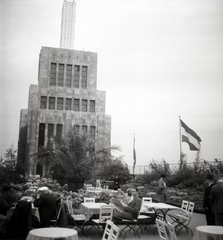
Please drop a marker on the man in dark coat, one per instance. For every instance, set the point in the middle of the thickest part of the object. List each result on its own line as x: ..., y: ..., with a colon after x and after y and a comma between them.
x: 217, y: 200
x: 131, y: 211
x: 46, y: 203
x: 206, y: 203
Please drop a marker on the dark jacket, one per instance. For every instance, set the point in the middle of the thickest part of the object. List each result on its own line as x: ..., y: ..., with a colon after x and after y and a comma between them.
x: 4, y: 206
x: 134, y: 206
x: 207, y: 193
x: 47, y: 208
x: 217, y: 197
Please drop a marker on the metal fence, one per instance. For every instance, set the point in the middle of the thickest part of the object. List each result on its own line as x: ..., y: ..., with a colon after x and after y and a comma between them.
x: 143, y: 169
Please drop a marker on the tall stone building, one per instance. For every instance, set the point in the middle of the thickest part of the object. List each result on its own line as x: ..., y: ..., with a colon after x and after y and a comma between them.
x: 66, y: 96
x: 68, y: 24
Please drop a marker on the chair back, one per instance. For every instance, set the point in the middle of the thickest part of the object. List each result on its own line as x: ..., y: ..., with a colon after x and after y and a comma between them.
x: 89, y: 200
x: 184, y: 205
x: 69, y: 207
x: 172, y: 232
x: 54, y: 221
x: 114, y: 232
x: 161, y: 226
x: 147, y: 199
x: 190, y: 209
x: 106, y: 213
x: 111, y: 231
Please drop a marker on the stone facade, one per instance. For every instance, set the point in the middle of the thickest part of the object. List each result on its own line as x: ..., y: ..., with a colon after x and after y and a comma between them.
x: 66, y: 96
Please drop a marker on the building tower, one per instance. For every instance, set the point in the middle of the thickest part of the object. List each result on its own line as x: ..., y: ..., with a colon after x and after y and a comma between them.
x: 66, y: 96
x: 68, y: 24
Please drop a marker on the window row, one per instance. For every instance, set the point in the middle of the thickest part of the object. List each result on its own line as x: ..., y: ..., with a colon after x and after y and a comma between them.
x: 57, y: 130
x: 67, y: 75
x: 73, y: 104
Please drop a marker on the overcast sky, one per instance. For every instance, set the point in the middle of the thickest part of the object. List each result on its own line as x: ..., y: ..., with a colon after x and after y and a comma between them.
x: 157, y: 60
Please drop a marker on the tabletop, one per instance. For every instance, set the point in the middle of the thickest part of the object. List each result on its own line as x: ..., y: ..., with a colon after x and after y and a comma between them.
x: 208, y: 233
x: 160, y: 205
x: 52, y: 234
x: 91, y: 208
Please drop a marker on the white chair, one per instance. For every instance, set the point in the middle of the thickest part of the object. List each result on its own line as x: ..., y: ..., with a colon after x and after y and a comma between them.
x: 172, y: 232
x: 147, y: 199
x: 86, y: 200
x: 111, y: 231
x: 78, y: 218
x: 161, y: 227
x: 183, y: 218
x: 106, y: 213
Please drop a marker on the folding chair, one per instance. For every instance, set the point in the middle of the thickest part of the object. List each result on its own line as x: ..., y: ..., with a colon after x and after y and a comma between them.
x: 89, y: 200
x: 134, y: 225
x: 161, y: 227
x: 111, y: 231
x: 54, y: 221
x: 172, y: 232
x: 183, y: 218
x: 106, y: 213
x: 78, y: 219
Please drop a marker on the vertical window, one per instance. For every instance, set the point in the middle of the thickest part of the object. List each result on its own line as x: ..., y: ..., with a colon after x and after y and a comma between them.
x: 92, y: 131
x: 77, y: 129
x: 53, y: 70
x: 52, y: 103
x: 41, y: 134
x: 59, y: 130
x: 84, y: 129
x: 60, y: 103
x: 84, y: 105
x: 68, y: 75
x: 43, y: 102
x: 68, y: 104
x: 92, y: 105
x: 76, y: 105
x: 76, y: 76
x: 84, y: 77
x: 50, y: 131
x: 61, y: 75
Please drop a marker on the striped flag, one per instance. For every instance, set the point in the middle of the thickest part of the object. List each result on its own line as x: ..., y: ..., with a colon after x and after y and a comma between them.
x: 134, y: 153
x: 190, y: 137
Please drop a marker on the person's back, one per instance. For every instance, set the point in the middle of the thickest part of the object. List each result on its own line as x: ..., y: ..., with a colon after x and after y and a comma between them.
x: 47, y: 207
x: 217, y: 201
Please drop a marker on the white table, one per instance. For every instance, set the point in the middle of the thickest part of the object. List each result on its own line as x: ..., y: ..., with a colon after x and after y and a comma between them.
x: 52, y: 234
x: 90, y: 208
x: 208, y: 233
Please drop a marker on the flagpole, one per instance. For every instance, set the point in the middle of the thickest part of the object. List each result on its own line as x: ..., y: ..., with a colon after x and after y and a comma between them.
x: 180, y: 137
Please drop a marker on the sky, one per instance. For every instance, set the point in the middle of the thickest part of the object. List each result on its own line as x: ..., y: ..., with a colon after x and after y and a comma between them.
x: 157, y: 60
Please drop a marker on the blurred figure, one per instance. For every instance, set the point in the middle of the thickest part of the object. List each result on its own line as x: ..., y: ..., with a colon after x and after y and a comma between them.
x: 4, y: 207
x: 162, y: 189
x: 217, y: 200
x: 127, y: 198
x: 116, y: 183
x: 46, y: 203
x: 206, y: 203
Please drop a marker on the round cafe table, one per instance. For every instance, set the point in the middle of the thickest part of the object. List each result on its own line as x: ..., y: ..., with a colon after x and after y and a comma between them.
x: 52, y: 234
x: 208, y: 233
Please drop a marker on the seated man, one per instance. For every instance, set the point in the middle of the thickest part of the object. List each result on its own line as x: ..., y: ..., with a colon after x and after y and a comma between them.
x: 46, y: 203
x: 131, y: 210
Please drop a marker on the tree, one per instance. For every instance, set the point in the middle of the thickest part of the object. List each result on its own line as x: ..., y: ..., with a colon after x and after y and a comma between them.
x: 116, y: 168
x: 10, y: 158
x: 72, y: 156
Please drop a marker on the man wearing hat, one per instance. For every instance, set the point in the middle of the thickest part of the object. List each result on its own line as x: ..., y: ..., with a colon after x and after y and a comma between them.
x: 206, y: 203
x: 46, y: 203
